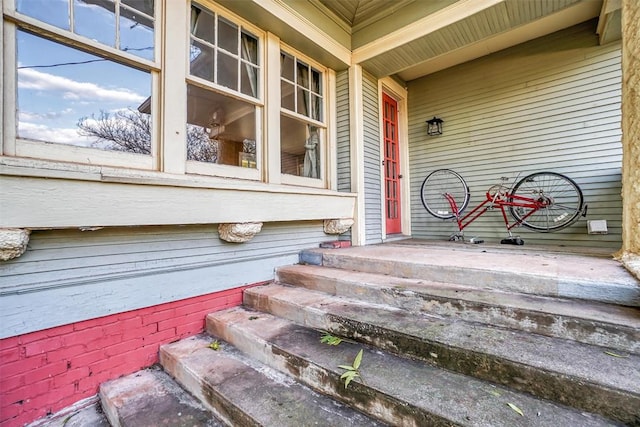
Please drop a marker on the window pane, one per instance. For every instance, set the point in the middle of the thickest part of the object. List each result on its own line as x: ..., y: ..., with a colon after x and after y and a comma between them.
x: 287, y: 91
x: 300, y: 148
x: 220, y: 129
x: 316, y: 108
x: 144, y: 6
x: 95, y: 21
x: 303, y: 75
x: 249, y: 80
x: 227, y: 35
x: 249, y: 48
x: 54, y: 12
x: 71, y: 97
x: 136, y: 33
x: 227, y: 71
x: 303, y: 102
x: 316, y: 81
x: 203, y: 24
x: 202, y: 61
x: 287, y: 66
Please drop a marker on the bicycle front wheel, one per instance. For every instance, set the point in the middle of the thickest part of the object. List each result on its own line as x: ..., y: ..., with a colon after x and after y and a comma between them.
x: 560, y: 195
x: 436, y: 185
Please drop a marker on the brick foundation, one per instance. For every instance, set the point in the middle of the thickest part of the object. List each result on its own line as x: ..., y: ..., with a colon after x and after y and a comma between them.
x: 45, y: 371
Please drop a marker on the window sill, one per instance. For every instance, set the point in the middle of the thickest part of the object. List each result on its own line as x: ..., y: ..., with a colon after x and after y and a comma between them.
x: 40, y: 194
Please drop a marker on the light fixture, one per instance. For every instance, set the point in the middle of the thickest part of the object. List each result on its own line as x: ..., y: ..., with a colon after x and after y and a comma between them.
x: 434, y: 126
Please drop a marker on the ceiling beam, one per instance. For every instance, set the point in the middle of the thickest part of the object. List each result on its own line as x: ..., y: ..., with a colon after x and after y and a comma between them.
x: 427, y: 25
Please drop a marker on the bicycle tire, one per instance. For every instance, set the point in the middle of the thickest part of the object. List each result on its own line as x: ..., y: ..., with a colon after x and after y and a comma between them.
x: 564, y: 198
x: 434, y: 187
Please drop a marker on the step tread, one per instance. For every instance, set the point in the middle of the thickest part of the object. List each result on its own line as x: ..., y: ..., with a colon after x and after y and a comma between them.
x: 449, y: 396
x: 628, y: 317
x: 569, y: 266
x: 149, y: 398
x: 554, y: 274
x: 562, y: 357
x: 258, y: 394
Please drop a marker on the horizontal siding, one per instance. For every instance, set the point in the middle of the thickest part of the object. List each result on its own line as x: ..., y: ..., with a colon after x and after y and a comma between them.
x: 343, y: 131
x: 552, y: 104
x: 372, y: 160
x: 68, y: 276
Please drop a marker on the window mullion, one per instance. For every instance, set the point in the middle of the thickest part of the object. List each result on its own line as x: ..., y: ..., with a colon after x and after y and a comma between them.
x: 272, y: 109
x: 173, y: 152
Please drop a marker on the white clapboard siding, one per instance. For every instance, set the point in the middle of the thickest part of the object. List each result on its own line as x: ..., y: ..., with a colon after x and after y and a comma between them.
x: 372, y: 160
x: 70, y: 275
x: 551, y: 104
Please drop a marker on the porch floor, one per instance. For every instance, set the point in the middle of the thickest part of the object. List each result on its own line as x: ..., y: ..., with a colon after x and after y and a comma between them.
x: 576, y: 272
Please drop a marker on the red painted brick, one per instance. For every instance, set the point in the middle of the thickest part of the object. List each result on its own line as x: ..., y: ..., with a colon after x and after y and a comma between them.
x: 22, y: 365
x: 123, y: 347
x: 94, y: 323
x: 140, y: 332
x: 66, y: 353
x: 164, y: 336
x: 88, y: 358
x: 158, y: 316
x: 11, y: 383
x: 48, y: 371
x: 8, y: 343
x: 24, y: 395
x: 188, y: 329
x: 43, y: 346
x: 104, y: 341
x: 83, y: 336
x: 168, y: 324
x: 8, y: 413
x: 70, y: 376
x: 9, y: 355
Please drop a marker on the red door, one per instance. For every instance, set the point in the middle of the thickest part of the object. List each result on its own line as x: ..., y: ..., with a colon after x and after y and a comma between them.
x: 391, y: 165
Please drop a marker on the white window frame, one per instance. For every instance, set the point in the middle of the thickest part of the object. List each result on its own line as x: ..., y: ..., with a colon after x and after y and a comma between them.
x: 203, y: 168
x: 19, y: 147
x: 169, y: 94
x: 325, y: 125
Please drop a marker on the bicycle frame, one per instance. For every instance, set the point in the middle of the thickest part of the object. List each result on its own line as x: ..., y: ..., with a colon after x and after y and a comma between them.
x: 501, y: 200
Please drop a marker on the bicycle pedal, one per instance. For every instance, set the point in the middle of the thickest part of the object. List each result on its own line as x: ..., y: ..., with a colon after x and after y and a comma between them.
x: 512, y: 241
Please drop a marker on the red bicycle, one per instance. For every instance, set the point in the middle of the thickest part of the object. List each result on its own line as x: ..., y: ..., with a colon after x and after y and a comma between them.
x: 543, y: 201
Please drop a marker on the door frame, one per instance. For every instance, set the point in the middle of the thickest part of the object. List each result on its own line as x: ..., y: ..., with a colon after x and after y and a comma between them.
x: 399, y: 94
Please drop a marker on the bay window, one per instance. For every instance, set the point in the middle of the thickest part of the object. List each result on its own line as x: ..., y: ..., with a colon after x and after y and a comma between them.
x: 102, y: 83
x: 302, y: 126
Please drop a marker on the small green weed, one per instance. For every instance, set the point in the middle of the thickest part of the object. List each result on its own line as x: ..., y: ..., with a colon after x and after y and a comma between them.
x: 352, y: 371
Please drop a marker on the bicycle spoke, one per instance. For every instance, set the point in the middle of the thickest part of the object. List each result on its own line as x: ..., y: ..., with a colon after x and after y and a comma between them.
x: 561, y: 195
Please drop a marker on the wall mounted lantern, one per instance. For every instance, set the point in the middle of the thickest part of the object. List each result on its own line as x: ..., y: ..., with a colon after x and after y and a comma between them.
x: 434, y: 126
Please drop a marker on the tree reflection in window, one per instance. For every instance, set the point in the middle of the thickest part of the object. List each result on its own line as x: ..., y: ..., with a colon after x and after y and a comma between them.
x: 68, y: 96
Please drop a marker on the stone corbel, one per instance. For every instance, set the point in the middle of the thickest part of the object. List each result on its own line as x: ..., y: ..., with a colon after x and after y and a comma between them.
x: 239, y: 232
x: 13, y: 242
x: 337, y: 226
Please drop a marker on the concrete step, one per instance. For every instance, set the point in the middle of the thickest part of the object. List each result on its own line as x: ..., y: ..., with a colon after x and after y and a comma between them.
x: 541, y: 273
x: 396, y: 390
x: 244, y: 392
x: 150, y: 398
x: 611, y: 326
x: 575, y: 374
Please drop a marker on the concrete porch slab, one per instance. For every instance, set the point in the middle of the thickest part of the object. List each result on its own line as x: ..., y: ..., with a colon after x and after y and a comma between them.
x: 590, y: 274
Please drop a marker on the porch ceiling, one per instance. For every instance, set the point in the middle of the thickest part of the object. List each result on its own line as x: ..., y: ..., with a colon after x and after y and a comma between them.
x: 449, y: 32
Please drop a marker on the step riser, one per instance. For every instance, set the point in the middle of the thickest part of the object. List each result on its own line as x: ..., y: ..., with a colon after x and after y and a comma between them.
x: 581, y: 330
x: 204, y: 391
x: 381, y: 406
x: 560, y: 388
x: 520, y: 282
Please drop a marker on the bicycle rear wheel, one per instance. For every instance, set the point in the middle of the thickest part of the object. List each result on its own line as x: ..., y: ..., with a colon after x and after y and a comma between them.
x: 562, y: 196
x: 436, y: 185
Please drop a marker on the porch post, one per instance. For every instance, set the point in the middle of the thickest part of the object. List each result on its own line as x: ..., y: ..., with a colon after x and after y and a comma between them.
x: 356, y: 108
x: 630, y: 252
